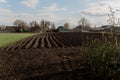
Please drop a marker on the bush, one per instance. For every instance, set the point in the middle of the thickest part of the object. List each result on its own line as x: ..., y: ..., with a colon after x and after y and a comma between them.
x: 103, y: 59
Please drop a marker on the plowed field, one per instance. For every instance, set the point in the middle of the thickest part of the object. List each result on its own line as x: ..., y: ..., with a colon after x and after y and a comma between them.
x: 48, y: 56
x: 53, y: 40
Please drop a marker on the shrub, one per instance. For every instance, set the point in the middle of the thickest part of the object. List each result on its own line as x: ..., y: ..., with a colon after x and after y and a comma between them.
x: 103, y: 59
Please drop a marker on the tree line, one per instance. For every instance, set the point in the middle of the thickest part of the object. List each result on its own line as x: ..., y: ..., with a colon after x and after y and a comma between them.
x: 45, y: 25
x: 34, y: 26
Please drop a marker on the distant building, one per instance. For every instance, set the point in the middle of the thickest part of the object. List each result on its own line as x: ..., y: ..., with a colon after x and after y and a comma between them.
x: 12, y: 29
x: 107, y: 28
x: 62, y: 29
x: 81, y: 29
x: 77, y: 29
x: 116, y: 29
x: 99, y: 29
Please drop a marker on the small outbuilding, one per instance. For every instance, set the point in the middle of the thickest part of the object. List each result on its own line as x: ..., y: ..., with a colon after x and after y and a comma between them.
x: 62, y: 29
x: 12, y: 29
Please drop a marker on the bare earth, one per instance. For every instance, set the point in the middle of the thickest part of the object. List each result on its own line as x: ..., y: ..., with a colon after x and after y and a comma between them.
x: 48, y: 56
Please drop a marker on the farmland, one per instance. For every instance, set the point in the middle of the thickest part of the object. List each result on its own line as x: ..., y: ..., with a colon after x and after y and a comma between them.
x: 9, y: 38
x: 53, y: 40
x: 61, y: 56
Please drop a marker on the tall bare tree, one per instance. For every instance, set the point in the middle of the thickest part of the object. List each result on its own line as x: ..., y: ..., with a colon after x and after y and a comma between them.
x: 112, y: 19
x: 42, y: 25
x: 111, y: 16
x: 52, y: 26
x: 21, y: 24
x: 83, y: 22
x: 34, y: 26
x: 2, y: 27
x: 45, y: 25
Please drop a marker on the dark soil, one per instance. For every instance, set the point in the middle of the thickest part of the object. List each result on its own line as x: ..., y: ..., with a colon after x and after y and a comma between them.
x: 42, y: 64
x: 48, y: 56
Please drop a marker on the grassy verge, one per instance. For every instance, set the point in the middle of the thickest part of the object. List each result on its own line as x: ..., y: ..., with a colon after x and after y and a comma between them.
x: 9, y: 38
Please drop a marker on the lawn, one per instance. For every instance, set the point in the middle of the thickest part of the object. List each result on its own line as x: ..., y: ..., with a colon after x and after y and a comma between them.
x: 9, y: 38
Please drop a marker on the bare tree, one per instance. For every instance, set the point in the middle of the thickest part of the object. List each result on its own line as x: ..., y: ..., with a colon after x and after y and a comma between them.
x: 42, y: 25
x: 45, y: 25
x: 33, y: 23
x: 83, y: 22
x: 21, y: 24
x: 111, y: 19
x: 66, y: 25
x: 2, y: 27
x: 52, y: 26
x: 34, y: 26
x: 111, y: 16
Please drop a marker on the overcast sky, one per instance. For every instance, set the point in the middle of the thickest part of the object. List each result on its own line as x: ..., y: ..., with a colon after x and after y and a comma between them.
x: 58, y: 11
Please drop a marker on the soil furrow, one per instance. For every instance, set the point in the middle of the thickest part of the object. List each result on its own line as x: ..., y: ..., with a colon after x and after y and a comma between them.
x: 38, y: 41
x: 19, y: 44
x: 68, y: 41
x: 53, y: 43
x: 62, y: 41
x: 8, y: 48
x: 29, y: 45
x: 11, y: 47
x: 43, y: 41
x: 59, y: 43
x: 47, y: 42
